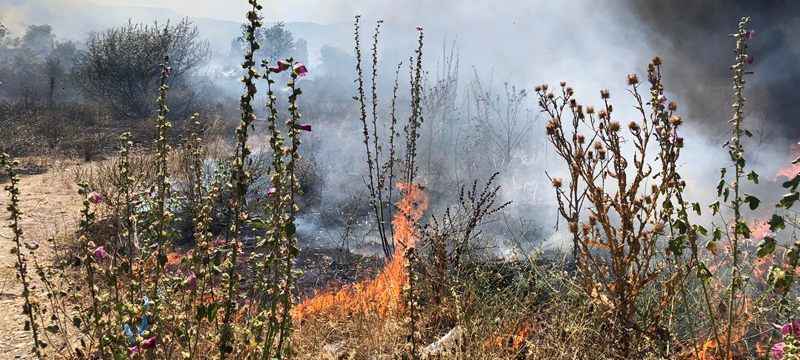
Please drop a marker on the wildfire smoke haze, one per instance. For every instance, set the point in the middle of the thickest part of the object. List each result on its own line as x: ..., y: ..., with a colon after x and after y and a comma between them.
x: 366, y: 180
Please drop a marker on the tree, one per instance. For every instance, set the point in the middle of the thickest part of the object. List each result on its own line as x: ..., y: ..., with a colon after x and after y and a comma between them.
x: 39, y: 39
x: 277, y: 43
x: 3, y: 32
x: 121, y: 65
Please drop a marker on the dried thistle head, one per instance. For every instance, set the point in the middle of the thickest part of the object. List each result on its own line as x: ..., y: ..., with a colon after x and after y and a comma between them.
x: 602, y: 114
x: 580, y: 138
x: 656, y: 61
x: 597, y: 145
x: 605, y: 94
x: 557, y: 182
x: 573, y: 227
x: 590, y: 110
x: 614, y: 126
x: 586, y: 229
x: 634, y: 126
x: 676, y: 120
x: 672, y: 106
x: 633, y: 79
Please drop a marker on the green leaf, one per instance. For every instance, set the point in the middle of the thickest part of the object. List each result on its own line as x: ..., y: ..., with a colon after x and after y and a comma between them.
x: 766, y: 247
x: 717, y: 234
x: 290, y: 229
x: 776, y: 223
x: 700, y: 230
x: 696, y: 208
x: 677, y: 245
x: 788, y: 200
x: 752, y: 176
x: 793, y: 183
x: 742, y: 229
x: 793, y: 254
x: 703, y: 273
x: 714, y: 207
x: 752, y: 200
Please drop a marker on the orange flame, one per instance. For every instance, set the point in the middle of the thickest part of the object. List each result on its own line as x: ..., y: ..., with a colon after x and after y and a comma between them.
x: 382, y: 295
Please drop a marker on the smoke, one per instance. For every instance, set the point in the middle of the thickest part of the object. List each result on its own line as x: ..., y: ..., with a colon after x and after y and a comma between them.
x: 591, y: 45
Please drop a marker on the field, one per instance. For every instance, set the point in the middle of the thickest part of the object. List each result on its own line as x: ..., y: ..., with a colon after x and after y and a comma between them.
x: 164, y: 201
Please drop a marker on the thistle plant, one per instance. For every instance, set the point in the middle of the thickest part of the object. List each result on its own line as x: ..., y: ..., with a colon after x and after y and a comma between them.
x: 30, y: 305
x: 618, y: 256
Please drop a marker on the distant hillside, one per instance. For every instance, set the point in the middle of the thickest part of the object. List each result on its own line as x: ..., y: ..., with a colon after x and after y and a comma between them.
x: 77, y: 20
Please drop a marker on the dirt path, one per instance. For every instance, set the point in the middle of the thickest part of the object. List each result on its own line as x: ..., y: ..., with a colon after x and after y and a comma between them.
x: 51, y: 205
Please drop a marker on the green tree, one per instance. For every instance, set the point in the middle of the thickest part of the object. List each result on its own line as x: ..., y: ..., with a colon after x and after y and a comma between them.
x: 121, y: 65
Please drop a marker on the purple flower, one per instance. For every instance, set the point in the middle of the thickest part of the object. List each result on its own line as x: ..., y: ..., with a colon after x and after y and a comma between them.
x: 304, y: 127
x: 150, y: 343
x: 749, y: 34
x: 192, y: 279
x: 419, y: 28
x: 777, y: 349
x: 750, y: 59
x: 271, y: 191
x: 300, y: 69
x: 95, y: 197
x: 100, y: 253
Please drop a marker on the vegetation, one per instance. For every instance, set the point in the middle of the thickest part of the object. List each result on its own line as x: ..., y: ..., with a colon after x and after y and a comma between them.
x: 193, y: 246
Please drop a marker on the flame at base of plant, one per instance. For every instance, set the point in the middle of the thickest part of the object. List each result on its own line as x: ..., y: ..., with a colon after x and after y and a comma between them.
x: 382, y: 295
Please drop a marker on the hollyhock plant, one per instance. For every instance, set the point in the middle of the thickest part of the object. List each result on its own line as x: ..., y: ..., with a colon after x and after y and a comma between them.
x: 95, y: 197
x: 100, y: 253
x: 300, y: 69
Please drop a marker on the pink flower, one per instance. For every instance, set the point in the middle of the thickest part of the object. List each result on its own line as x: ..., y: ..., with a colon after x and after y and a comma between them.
x: 271, y: 191
x: 192, y: 278
x: 300, y: 69
x: 95, y: 197
x: 304, y: 127
x: 750, y: 59
x: 749, y: 34
x: 100, y: 253
x: 169, y: 71
x: 282, y: 65
x: 777, y: 349
x: 150, y: 343
x: 792, y: 328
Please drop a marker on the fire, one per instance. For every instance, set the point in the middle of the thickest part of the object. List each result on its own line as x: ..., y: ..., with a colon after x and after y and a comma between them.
x: 382, y: 295
x: 790, y: 171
